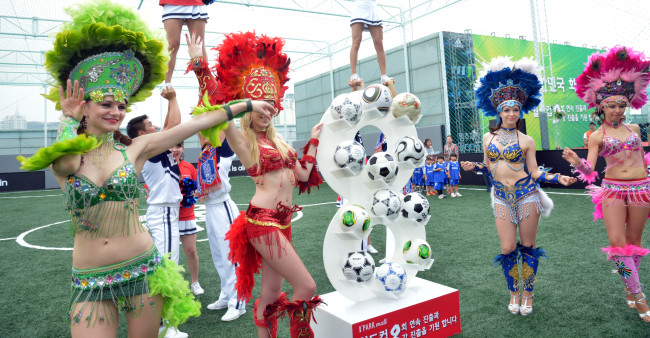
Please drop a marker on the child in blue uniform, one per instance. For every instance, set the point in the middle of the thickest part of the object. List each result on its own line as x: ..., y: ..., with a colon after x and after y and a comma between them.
x: 428, y: 175
x: 453, y: 172
x: 439, y: 175
x: 417, y: 179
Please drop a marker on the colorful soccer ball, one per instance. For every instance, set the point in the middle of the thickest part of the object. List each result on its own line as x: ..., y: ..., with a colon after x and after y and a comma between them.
x: 355, y: 218
x: 406, y: 104
x: 410, y: 149
x: 346, y: 107
x: 382, y: 166
x: 415, y: 207
x: 391, y: 277
x: 386, y: 203
x: 418, y: 252
x: 377, y: 96
x: 359, y: 267
x: 350, y: 154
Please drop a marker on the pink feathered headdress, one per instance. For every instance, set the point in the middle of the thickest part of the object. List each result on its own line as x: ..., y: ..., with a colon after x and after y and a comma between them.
x: 619, y: 72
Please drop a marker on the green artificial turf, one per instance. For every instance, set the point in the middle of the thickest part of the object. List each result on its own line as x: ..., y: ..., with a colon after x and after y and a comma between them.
x: 576, y: 295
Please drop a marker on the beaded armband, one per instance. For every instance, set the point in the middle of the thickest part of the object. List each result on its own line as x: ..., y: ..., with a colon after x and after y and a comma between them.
x: 544, y: 178
x: 585, y: 171
x: 483, y: 170
x: 67, y: 128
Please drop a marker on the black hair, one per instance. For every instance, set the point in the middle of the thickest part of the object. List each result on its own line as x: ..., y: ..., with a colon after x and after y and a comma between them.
x: 440, y: 156
x: 135, y: 125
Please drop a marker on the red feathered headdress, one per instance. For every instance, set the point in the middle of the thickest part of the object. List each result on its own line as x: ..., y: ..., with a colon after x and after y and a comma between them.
x: 252, y: 67
x: 621, y: 73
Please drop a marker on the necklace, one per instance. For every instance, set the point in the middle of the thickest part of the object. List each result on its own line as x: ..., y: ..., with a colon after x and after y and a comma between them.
x: 101, y: 153
x: 506, y: 135
x: 613, y: 124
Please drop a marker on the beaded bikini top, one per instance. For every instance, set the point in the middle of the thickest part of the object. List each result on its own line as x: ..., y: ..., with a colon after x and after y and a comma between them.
x: 612, y: 146
x: 511, y: 154
x: 85, y: 198
x: 271, y: 160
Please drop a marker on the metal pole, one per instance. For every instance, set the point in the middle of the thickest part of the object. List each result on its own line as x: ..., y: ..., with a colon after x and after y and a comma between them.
x: 406, y: 56
x: 44, y: 117
x: 542, y: 116
x: 329, y: 54
x: 445, y: 89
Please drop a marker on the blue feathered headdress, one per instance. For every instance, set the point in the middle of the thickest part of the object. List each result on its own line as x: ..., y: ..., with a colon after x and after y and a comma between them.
x: 504, y: 81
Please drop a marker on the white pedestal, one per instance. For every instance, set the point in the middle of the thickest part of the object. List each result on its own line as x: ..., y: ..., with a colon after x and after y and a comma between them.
x: 426, y: 309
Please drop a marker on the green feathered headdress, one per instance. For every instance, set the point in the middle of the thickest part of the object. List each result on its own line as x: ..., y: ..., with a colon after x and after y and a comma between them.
x: 110, y: 50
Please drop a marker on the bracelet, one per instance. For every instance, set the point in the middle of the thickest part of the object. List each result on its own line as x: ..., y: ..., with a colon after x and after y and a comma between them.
x: 196, y: 61
x: 584, y: 167
x: 309, y: 159
x: 543, y: 178
x: 481, y: 170
x: 313, y: 141
x: 249, y: 105
x: 228, y: 112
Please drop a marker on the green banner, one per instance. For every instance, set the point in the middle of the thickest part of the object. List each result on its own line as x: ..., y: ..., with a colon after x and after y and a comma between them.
x: 562, y: 67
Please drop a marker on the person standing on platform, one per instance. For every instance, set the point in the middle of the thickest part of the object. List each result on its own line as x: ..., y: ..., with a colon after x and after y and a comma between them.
x: 192, y: 13
x: 366, y: 17
x: 612, y: 82
x: 506, y: 91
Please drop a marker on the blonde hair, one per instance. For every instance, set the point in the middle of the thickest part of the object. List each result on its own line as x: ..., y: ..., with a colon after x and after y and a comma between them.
x: 271, y: 134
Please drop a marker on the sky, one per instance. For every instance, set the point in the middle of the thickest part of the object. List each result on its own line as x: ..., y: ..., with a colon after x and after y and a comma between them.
x: 591, y: 22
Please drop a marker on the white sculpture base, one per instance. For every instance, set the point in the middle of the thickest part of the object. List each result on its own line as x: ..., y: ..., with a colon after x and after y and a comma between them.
x: 426, y: 309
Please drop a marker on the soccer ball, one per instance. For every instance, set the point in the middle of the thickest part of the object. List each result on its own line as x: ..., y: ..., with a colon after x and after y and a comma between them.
x: 358, y: 266
x: 406, y: 104
x: 350, y: 154
x: 346, y: 107
x: 391, y: 277
x: 377, y: 96
x: 386, y: 203
x: 417, y: 252
x: 415, y: 207
x: 410, y: 149
x: 382, y: 166
x: 355, y: 218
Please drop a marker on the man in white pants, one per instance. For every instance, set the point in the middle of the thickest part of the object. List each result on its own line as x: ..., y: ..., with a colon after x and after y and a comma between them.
x: 161, y: 175
x: 220, y: 212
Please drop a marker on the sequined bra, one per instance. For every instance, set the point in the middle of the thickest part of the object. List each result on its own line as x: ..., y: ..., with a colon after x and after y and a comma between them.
x: 612, y: 146
x: 271, y: 160
x: 85, y: 198
x: 511, y: 154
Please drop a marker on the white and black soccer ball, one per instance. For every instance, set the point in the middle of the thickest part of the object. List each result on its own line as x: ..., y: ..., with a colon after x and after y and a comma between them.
x: 406, y: 104
x: 346, y: 107
x: 417, y: 251
x: 350, y: 154
x: 377, y: 96
x: 409, y: 148
x: 415, y: 207
x: 382, y: 166
x: 386, y: 203
x: 355, y: 218
x: 359, y: 267
x: 391, y: 277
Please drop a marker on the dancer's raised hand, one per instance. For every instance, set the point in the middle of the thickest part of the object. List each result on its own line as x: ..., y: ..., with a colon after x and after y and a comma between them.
x: 72, y: 101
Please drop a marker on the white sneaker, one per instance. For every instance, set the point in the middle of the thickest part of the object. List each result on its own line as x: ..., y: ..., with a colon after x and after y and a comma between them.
x: 197, y: 290
x: 453, y: 194
x: 382, y: 261
x: 441, y: 196
x: 372, y: 250
x: 218, y: 305
x: 458, y: 195
x: 172, y: 333
x: 232, y: 314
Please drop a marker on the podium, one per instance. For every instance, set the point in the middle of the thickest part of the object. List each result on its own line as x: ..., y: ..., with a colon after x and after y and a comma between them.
x: 426, y: 309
